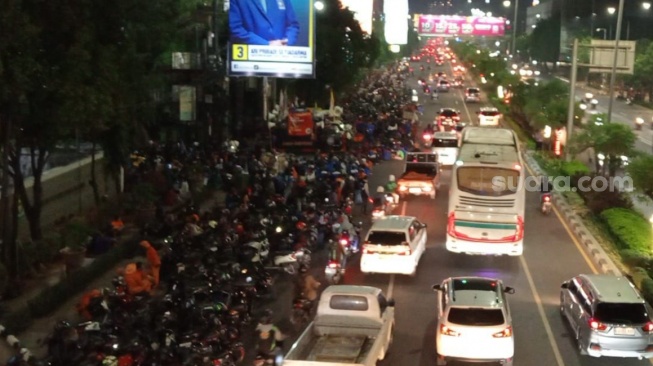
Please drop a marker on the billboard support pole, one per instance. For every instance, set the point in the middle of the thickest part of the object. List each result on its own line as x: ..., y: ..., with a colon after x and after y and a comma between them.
x: 265, y: 107
x: 572, y: 97
x: 613, y: 74
x: 514, y: 29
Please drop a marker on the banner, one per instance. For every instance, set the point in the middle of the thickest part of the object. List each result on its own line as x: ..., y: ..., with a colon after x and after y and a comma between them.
x: 454, y: 25
x: 363, y: 12
x: 300, y: 124
x: 271, y: 38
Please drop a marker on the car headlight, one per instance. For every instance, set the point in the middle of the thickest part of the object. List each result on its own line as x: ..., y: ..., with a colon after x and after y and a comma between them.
x: 403, y: 188
x: 427, y: 189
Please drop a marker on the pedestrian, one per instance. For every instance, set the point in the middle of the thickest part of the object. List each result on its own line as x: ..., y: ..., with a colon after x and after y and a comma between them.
x: 310, y: 285
x: 136, y: 280
x: 153, y: 260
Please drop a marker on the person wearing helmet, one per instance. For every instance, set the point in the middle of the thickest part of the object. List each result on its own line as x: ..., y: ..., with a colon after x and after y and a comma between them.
x: 137, y: 282
x: 154, y: 260
x: 269, y: 336
x: 391, y: 188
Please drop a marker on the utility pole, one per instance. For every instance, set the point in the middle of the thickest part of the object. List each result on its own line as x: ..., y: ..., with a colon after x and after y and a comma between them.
x: 514, y: 29
x: 572, y: 97
x: 613, y: 75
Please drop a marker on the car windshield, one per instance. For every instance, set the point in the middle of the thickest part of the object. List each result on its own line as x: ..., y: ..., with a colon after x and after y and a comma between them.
x: 448, y: 113
x: 386, y: 238
x: 444, y: 82
x: 490, y: 113
x: 473, y: 91
x: 488, y: 181
x: 475, y: 316
x: 618, y: 313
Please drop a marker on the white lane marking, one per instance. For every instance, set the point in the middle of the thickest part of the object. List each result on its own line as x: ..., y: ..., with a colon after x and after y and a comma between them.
x: 540, y: 310
x: 391, y: 286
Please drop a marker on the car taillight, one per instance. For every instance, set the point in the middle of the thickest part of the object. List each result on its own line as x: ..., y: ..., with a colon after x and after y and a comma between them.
x: 333, y: 264
x: 504, y: 333
x: 427, y: 136
x: 547, y: 198
x: 444, y: 330
x: 597, y: 325
x: 344, y: 241
x: 648, y: 327
x: 403, y: 188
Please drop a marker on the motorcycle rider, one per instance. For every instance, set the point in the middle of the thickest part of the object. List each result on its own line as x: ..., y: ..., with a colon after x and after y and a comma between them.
x: 391, y: 188
x: 270, y: 338
x: 337, y: 254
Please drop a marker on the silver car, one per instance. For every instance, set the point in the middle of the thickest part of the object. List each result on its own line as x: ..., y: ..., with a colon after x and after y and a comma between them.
x: 443, y: 86
x: 607, y: 316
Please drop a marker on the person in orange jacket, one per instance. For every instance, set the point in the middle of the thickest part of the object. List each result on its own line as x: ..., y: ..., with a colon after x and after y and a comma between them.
x: 136, y: 280
x: 153, y: 259
x: 82, y: 306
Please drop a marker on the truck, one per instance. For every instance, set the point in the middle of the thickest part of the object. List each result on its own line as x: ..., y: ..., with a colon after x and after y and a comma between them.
x: 353, y: 326
x: 421, y: 175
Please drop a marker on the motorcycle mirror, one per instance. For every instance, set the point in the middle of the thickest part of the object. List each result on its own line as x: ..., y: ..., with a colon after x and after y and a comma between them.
x: 509, y: 290
x: 436, y: 287
x: 391, y: 302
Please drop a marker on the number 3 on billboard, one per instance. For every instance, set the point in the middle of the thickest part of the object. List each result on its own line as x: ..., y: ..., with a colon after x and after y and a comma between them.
x: 239, y: 52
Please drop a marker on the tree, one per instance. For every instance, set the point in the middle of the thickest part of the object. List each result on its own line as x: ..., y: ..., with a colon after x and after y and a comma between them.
x: 641, y: 171
x: 545, y: 41
x: 613, y: 140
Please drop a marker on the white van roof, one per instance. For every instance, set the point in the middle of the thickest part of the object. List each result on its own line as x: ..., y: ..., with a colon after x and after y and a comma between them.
x: 490, y: 136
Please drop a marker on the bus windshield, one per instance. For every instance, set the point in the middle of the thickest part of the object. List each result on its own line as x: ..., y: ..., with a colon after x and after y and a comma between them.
x: 488, y: 181
x: 444, y: 143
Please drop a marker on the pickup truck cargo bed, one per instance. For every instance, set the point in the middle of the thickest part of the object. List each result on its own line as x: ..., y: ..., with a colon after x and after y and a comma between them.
x: 339, y: 348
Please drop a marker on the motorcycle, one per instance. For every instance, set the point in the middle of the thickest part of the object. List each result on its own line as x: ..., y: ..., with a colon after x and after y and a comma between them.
x: 639, y: 123
x: 301, y: 311
x: 382, y: 206
x: 546, y: 205
x: 427, y: 137
x: 629, y: 101
x: 333, y: 272
x: 290, y: 262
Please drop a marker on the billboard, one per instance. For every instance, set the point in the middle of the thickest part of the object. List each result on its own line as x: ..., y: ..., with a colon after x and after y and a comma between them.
x: 362, y: 10
x: 454, y: 25
x: 602, y: 56
x: 271, y: 38
x: 396, y: 21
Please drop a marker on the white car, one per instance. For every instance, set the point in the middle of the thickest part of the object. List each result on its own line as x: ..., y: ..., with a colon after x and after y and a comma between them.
x: 394, y: 244
x: 472, y: 95
x: 489, y: 117
x: 474, y: 323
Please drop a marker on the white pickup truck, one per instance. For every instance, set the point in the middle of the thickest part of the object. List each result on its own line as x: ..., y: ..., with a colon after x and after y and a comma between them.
x: 353, y: 327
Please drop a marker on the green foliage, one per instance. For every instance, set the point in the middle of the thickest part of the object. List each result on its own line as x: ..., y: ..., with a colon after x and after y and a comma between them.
x: 611, y: 139
x: 647, y: 289
x: 640, y: 170
x: 76, y: 233
x: 574, y: 167
x: 545, y: 40
x: 597, y: 201
x: 631, y: 229
x: 638, y: 276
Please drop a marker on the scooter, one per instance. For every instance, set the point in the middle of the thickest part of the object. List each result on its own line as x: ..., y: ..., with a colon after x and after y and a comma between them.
x: 639, y: 123
x: 629, y: 101
x: 546, y: 205
x: 290, y: 262
x: 333, y: 272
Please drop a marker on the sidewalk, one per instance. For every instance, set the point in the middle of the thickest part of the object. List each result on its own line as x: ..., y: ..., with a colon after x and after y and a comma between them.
x: 32, y: 338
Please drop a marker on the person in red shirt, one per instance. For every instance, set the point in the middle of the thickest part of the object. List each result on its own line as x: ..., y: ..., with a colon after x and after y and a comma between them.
x: 153, y: 260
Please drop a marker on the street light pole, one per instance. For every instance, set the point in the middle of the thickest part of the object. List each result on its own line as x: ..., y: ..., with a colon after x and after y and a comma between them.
x: 613, y: 74
x: 514, y: 29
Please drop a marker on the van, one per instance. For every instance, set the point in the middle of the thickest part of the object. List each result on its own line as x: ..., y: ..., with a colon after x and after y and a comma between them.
x: 394, y: 244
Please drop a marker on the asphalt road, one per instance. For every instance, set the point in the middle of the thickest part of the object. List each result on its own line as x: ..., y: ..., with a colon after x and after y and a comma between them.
x: 551, y: 256
x: 626, y: 114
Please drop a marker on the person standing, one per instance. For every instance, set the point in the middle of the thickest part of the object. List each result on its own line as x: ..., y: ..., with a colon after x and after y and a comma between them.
x: 153, y: 260
x: 263, y: 22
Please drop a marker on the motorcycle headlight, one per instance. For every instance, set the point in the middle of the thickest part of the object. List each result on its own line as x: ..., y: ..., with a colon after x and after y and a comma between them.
x: 278, y: 229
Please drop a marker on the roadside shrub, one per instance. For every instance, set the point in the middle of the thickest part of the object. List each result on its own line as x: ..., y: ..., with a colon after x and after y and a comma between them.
x: 631, y: 230
x: 634, y: 259
x: 597, y: 202
x: 638, y: 275
x: 574, y: 168
x: 646, y: 289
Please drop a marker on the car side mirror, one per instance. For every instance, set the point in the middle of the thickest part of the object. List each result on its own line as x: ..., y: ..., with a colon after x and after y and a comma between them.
x: 391, y: 302
x: 564, y: 285
x: 509, y: 290
x: 423, y: 226
x: 437, y: 287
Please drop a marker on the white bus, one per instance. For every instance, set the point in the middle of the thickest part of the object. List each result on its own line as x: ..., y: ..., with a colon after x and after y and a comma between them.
x: 445, y: 144
x: 487, y: 197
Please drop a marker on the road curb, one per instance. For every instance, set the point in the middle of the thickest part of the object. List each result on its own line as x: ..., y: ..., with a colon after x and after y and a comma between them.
x: 578, y: 228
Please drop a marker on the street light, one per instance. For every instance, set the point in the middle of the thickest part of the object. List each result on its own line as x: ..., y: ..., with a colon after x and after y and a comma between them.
x: 319, y: 6
x: 507, y: 3
x: 646, y: 5
x: 611, y: 10
x: 605, y: 32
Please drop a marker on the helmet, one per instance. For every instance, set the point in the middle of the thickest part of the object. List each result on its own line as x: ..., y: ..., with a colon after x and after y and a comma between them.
x: 301, y: 225
x: 391, y: 178
x: 380, y: 189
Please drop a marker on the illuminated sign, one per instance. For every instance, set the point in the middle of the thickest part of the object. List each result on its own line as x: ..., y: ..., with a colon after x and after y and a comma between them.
x: 453, y: 25
x: 271, y: 38
x: 396, y: 21
x: 362, y: 10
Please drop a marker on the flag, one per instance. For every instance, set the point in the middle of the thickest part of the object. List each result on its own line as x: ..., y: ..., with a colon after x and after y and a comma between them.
x: 332, y: 103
